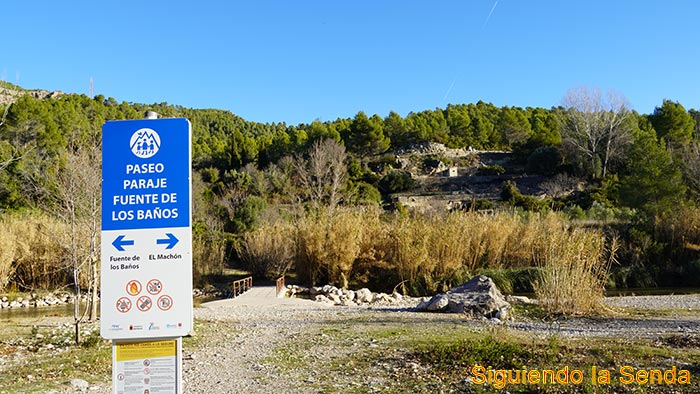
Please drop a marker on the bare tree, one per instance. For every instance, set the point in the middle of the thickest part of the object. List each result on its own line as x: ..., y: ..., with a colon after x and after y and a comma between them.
x: 691, y: 165
x: 3, y: 92
x: 76, y: 200
x: 596, y: 126
x: 322, y: 176
x: 18, y: 145
x: 7, y: 153
x: 4, y: 114
x: 559, y: 186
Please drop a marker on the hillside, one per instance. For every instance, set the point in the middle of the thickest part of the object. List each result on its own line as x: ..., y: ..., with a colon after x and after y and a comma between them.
x: 636, y: 179
x: 453, y: 179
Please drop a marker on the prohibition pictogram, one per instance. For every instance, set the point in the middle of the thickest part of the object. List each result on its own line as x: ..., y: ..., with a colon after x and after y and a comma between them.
x: 133, y: 287
x: 144, y: 303
x: 123, y: 305
x: 154, y: 286
x: 165, y: 302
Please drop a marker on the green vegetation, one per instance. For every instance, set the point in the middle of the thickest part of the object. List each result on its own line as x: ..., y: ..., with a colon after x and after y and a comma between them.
x: 491, y: 170
x: 439, y: 354
x: 50, y: 359
x: 45, y: 358
x: 634, y: 176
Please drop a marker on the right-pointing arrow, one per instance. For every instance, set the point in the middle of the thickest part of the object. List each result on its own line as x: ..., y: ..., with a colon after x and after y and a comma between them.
x: 170, y: 241
x: 120, y: 242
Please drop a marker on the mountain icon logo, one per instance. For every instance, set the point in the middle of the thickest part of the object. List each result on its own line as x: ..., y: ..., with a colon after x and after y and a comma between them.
x: 144, y: 143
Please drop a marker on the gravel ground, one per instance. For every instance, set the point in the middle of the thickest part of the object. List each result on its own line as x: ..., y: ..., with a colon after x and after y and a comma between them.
x: 249, y: 335
x: 239, y: 341
x: 684, y: 301
x: 666, y: 323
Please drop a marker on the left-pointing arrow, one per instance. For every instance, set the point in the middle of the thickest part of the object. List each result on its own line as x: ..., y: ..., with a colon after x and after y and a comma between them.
x: 120, y: 242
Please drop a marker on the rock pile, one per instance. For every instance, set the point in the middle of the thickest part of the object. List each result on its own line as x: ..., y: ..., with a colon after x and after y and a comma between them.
x: 62, y: 298
x: 209, y: 291
x: 343, y: 297
x: 478, y: 298
x: 34, y: 300
x: 433, y: 148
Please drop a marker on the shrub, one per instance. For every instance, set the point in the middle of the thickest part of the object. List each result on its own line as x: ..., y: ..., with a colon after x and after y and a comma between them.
x: 544, y: 160
x: 511, y: 195
x: 246, y: 215
x: 383, y: 162
x: 509, y: 192
x: 491, y: 170
x: 395, y: 182
x: 574, y: 212
x: 480, y: 204
x: 366, y: 194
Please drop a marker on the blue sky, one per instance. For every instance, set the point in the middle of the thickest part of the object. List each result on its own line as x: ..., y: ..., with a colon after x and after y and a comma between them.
x: 296, y: 61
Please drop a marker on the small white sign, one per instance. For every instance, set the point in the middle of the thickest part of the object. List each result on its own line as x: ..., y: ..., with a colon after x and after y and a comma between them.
x: 144, y: 297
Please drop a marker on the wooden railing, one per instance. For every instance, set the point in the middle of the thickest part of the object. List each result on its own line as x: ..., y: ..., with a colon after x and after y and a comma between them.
x: 279, y: 285
x: 241, y: 286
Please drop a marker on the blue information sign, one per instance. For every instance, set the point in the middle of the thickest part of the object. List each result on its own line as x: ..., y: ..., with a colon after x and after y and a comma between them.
x: 146, y: 266
x: 145, y: 174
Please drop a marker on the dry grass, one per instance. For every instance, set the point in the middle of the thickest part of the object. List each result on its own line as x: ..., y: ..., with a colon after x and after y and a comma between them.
x: 343, y: 245
x: 31, y: 245
x: 431, y: 254
x: 327, y: 243
x: 267, y: 251
x: 208, y: 252
x: 575, y: 264
x: 7, y: 253
x: 408, y: 250
x: 680, y: 228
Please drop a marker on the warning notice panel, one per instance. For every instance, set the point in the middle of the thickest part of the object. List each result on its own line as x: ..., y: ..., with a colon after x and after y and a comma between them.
x: 146, y: 268
x: 145, y: 367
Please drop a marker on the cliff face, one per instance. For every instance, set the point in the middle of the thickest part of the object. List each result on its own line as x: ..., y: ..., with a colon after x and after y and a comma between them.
x: 10, y: 93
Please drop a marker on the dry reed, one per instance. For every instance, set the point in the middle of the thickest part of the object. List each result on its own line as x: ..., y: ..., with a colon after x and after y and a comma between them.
x: 268, y: 250
x: 327, y: 242
x: 574, y: 266
x: 31, y: 242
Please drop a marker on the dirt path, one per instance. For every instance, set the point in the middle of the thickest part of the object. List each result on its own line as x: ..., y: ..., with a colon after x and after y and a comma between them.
x: 243, y: 340
x: 250, y: 331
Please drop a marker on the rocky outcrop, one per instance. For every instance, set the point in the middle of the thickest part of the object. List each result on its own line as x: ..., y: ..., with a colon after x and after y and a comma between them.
x: 478, y: 298
x: 10, y: 94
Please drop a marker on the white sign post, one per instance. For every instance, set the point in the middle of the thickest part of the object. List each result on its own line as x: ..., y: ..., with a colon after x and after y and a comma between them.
x: 146, y: 268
